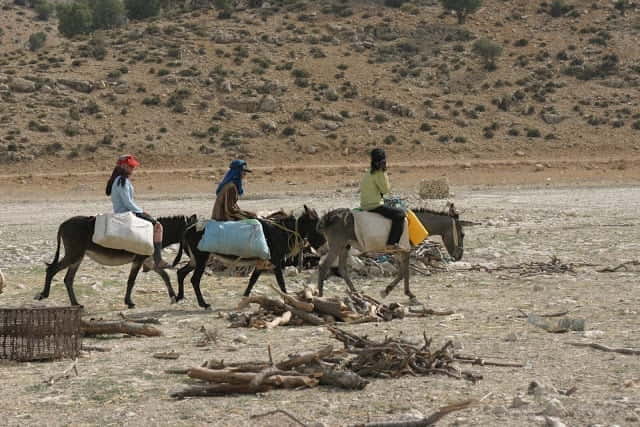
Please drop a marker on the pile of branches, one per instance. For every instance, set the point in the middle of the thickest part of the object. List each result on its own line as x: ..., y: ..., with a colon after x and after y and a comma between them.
x: 395, y: 357
x: 346, y: 369
x: 306, y: 308
x: 528, y: 269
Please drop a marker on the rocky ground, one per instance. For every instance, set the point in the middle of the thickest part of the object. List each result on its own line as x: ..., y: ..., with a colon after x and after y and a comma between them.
x: 589, y: 227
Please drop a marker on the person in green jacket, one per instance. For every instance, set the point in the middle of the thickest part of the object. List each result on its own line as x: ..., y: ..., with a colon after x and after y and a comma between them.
x: 374, y: 185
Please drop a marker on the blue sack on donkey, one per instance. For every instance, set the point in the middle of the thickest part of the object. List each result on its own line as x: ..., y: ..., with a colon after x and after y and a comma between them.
x: 244, y: 239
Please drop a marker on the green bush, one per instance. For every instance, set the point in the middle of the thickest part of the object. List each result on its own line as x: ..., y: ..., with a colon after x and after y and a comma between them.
x: 463, y: 8
x: 44, y: 9
x: 107, y: 14
x: 559, y: 8
x: 142, y: 9
x: 74, y: 18
x: 488, y: 50
x: 36, y: 41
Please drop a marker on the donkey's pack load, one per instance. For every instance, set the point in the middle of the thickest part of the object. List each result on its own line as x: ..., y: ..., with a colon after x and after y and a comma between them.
x: 124, y: 231
x: 244, y: 239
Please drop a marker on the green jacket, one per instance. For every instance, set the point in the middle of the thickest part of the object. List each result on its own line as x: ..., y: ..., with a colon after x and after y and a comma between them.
x: 372, y: 187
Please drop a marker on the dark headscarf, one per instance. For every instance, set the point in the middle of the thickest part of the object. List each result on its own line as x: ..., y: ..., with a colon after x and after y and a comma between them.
x: 378, y: 160
x: 234, y: 174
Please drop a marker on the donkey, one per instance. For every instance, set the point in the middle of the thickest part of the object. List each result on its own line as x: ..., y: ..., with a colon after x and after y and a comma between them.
x: 284, y: 234
x: 339, y: 229
x: 76, y: 234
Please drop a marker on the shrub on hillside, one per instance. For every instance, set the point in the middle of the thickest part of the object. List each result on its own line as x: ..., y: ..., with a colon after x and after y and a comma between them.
x: 44, y: 9
x: 142, y: 9
x: 74, y: 18
x: 488, y: 51
x: 462, y: 8
x: 107, y: 14
x: 36, y: 41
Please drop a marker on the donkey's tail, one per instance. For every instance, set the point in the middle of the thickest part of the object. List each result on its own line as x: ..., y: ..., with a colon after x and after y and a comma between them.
x: 56, y: 257
x: 333, y: 217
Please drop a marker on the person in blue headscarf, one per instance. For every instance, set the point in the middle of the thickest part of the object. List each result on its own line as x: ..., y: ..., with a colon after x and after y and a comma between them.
x: 229, y: 191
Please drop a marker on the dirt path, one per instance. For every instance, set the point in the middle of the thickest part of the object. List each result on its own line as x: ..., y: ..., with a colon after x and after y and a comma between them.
x: 596, y: 225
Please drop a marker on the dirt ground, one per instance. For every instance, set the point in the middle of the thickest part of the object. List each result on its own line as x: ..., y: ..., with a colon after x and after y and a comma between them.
x: 531, y: 219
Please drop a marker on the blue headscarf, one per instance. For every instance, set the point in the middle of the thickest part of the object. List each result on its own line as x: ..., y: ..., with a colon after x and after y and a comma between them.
x: 234, y: 174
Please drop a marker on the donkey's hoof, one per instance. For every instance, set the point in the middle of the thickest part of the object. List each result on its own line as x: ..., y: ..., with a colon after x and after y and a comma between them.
x: 207, y: 307
x: 414, y: 301
x: 383, y: 293
x: 131, y: 305
x: 39, y: 296
x: 174, y: 300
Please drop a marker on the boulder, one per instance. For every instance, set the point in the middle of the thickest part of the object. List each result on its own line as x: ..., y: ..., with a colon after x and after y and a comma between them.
x: 83, y: 86
x: 268, y: 104
x: 22, y: 85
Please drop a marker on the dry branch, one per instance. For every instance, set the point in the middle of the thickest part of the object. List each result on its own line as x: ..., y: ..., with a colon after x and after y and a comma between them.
x: 427, y: 421
x: 621, y: 350
x: 64, y: 375
x: 279, y: 411
x: 624, y: 266
x: 482, y: 362
x: 106, y: 327
x: 143, y: 320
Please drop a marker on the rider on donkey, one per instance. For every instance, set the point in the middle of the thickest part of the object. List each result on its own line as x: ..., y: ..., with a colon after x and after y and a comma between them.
x: 229, y: 190
x: 120, y: 189
x: 375, y: 184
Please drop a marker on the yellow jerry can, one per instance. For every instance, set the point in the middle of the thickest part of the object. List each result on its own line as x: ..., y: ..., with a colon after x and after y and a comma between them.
x: 417, y: 231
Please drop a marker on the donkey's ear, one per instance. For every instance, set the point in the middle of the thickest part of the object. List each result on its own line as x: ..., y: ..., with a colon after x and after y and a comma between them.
x: 452, y: 209
x: 306, y: 208
x: 193, y: 219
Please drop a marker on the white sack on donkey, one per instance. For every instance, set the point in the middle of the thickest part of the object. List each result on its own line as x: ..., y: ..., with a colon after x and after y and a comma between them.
x: 124, y: 231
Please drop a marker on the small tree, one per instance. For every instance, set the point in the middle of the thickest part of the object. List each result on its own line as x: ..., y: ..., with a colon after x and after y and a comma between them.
x: 44, y: 9
x: 142, y: 9
x: 622, y: 5
x: 36, y: 40
x: 462, y: 7
x: 107, y: 14
x: 74, y: 18
x: 489, y: 51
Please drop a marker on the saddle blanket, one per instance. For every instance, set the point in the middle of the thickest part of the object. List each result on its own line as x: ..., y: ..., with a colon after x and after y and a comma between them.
x: 124, y: 231
x: 244, y: 239
x: 372, y: 231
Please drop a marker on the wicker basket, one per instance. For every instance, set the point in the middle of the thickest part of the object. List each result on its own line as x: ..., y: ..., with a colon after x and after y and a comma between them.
x: 40, y: 333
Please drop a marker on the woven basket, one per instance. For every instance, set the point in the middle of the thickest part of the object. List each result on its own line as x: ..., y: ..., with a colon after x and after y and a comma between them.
x: 40, y: 333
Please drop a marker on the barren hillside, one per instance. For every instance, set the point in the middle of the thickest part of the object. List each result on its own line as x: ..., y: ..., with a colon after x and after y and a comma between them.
x: 317, y: 83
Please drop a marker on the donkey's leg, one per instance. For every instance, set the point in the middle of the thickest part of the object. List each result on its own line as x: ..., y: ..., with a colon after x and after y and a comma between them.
x: 325, y: 266
x: 399, y: 275
x: 182, y: 274
x: 280, y: 279
x: 201, y: 262
x: 68, y: 282
x: 55, y: 268
x: 406, y: 273
x: 343, y: 268
x: 252, y: 281
x: 167, y: 283
x: 131, y: 281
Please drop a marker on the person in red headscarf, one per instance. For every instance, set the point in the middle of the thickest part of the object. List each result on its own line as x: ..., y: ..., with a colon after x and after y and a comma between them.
x: 120, y: 189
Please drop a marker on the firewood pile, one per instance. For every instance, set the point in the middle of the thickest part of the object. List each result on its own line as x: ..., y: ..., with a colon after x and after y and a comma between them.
x: 306, y: 308
x: 346, y: 368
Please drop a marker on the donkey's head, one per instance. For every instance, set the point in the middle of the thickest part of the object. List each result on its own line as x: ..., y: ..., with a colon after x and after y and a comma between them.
x: 307, y: 227
x: 454, y: 237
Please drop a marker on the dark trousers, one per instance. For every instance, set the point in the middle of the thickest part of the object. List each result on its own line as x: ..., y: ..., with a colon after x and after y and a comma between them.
x: 146, y: 217
x: 397, y: 222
